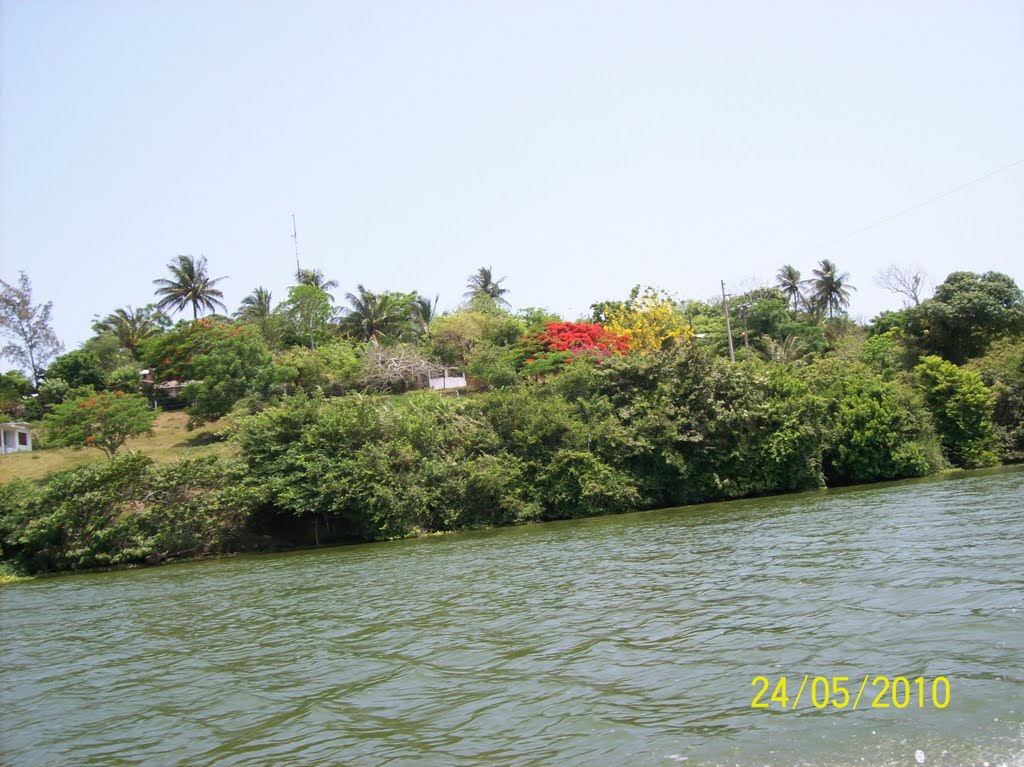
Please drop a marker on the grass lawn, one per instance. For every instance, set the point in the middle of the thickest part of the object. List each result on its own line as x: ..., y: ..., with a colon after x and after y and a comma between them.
x: 169, y: 442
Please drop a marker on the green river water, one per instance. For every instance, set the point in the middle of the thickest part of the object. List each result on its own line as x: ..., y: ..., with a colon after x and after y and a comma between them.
x: 629, y: 640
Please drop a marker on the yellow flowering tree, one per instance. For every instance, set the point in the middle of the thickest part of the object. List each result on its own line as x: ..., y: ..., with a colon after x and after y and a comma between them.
x: 650, y: 319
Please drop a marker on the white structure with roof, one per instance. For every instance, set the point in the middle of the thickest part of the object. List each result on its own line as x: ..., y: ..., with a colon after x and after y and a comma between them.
x: 15, y: 437
x: 449, y: 379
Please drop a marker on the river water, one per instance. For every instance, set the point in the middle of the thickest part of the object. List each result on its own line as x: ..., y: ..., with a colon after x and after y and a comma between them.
x: 629, y: 640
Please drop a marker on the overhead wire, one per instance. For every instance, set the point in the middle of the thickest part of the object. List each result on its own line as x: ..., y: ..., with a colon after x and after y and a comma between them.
x: 914, y: 207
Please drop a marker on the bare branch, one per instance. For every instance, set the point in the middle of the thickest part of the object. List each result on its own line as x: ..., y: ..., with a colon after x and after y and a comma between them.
x: 907, y: 281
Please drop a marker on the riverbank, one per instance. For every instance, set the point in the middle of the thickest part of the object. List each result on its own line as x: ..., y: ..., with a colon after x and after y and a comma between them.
x: 632, y: 433
x: 628, y: 639
x: 276, y: 546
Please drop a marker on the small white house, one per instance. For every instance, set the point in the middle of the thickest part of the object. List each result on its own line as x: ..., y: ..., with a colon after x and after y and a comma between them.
x: 449, y: 379
x: 15, y: 437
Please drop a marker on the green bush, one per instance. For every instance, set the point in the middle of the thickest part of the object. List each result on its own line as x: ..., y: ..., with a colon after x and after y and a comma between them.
x: 963, y: 408
x: 876, y: 428
x: 128, y: 510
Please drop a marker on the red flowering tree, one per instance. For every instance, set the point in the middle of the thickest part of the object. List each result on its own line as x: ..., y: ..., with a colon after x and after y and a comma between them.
x: 103, y: 421
x: 170, y: 355
x: 562, y: 342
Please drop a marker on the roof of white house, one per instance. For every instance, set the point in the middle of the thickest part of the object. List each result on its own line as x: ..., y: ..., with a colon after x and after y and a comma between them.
x: 17, y: 423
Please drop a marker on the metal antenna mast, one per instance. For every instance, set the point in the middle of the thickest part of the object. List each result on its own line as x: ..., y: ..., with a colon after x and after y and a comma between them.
x: 295, y: 236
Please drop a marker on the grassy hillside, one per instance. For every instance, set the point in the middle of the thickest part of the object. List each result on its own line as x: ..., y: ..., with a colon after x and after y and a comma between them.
x: 170, y: 441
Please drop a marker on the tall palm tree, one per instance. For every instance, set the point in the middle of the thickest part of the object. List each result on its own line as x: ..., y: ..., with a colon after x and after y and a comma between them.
x: 373, y: 316
x: 789, y: 282
x: 189, y: 284
x: 831, y: 290
x: 424, y: 310
x: 316, y: 279
x: 483, y: 285
x: 255, y: 307
x: 131, y: 326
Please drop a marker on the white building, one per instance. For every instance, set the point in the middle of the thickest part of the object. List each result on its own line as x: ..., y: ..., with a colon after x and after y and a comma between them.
x: 15, y: 437
x: 449, y: 379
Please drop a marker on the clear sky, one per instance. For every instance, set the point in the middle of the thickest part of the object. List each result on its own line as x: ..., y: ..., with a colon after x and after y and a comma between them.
x: 577, y: 147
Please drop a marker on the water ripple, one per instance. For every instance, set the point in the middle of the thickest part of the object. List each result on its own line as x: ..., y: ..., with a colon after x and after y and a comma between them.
x: 624, y: 640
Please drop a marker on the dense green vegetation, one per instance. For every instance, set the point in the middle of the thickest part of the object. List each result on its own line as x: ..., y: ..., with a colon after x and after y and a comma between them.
x: 637, y: 406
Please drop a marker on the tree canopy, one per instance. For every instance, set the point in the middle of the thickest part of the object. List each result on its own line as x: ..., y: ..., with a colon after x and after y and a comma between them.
x: 103, y: 421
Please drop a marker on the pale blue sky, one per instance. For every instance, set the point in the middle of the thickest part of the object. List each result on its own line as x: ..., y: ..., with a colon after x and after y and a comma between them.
x: 576, y: 147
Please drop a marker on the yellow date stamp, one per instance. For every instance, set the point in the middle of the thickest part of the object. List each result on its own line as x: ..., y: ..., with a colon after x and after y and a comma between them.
x: 840, y: 692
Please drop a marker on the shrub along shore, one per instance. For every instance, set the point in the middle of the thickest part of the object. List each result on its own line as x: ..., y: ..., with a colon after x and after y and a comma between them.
x: 640, y: 407
x: 632, y: 432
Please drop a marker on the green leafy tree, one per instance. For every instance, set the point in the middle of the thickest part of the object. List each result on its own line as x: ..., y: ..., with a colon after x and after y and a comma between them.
x: 534, y: 318
x: 1002, y: 370
x: 309, y: 312
x: 888, y: 353
x: 14, y: 387
x: 237, y: 366
x: 967, y: 313
x: 108, y: 350
x: 962, y: 407
x: 53, y: 391
x: 455, y: 339
x: 33, y: 342
x: 189, y: 284
x: 171, y: 355
x: 125, y: 378
x: 874, y: 428
x: 77, y: 369
x: 103, y: 421
x: 333, y: 368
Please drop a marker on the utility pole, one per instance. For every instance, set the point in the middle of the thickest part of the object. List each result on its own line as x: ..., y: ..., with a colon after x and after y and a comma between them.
x: 728, y: 325
x: 295, y: 236
x: 746, y: 338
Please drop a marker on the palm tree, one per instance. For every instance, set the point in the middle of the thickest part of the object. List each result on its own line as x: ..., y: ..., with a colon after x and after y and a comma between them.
x: 424, y: 311
x: 483, y: 285
x: 316, y: 279
x: 190, y: 284
x: 255, y: 307
x: 831, y: 290
x: 789, y: 282
x: 131, y: 326
x: 373, y: 316
x: 789, y: 349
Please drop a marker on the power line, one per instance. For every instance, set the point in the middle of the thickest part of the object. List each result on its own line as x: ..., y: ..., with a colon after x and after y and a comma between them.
x: 914, y: 207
